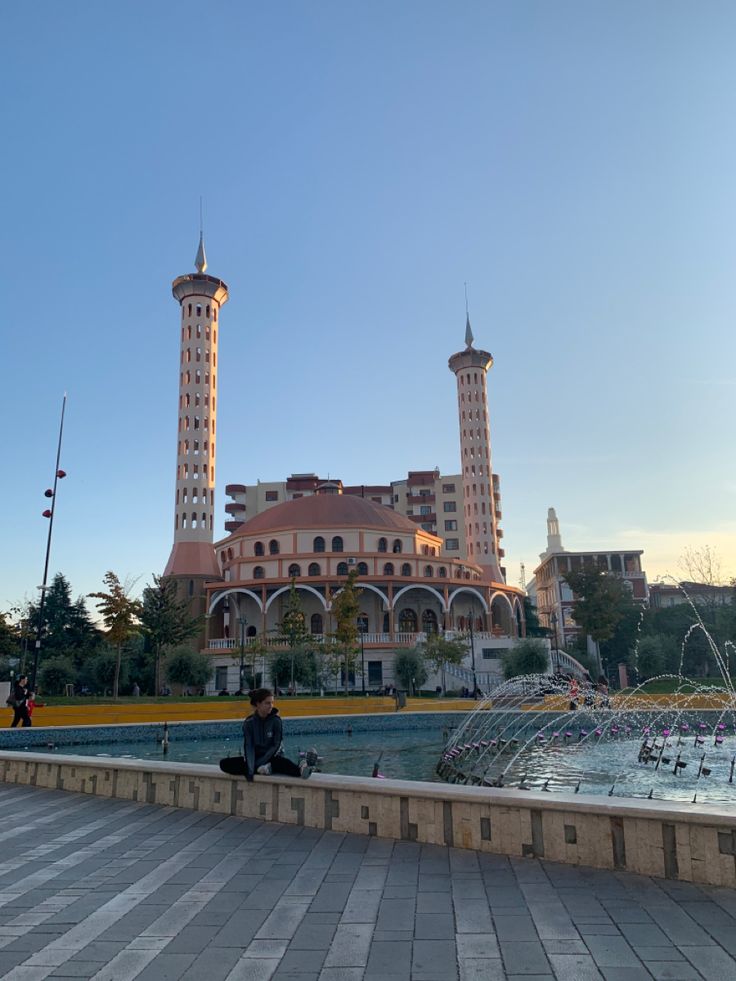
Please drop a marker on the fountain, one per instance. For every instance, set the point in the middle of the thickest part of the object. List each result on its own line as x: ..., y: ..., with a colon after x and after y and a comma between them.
x: 550, y: 733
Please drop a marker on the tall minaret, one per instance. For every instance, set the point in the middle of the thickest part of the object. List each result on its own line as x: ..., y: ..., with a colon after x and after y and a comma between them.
x: 481, y: 500
x: 554, y: 539
x: 201, y: 297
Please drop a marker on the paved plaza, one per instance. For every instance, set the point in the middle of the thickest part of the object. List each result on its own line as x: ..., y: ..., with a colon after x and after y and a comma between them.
x: 106, y: 889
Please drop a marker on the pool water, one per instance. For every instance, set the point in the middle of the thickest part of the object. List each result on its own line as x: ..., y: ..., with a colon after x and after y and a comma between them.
x: 407, y: 755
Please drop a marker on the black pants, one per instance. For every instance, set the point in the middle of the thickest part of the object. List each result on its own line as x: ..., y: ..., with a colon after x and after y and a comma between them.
x: 235, y: 765
x: 20, y: 714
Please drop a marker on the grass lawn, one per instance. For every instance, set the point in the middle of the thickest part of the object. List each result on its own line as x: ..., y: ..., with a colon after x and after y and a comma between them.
x: 667, y: 685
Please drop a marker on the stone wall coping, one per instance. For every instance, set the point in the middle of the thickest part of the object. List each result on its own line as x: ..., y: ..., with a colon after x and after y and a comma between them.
x: 708, y: 814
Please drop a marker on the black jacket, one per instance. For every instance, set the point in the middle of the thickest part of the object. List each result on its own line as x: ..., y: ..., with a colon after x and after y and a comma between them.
x: 262, y: 739
x: 19, y: 695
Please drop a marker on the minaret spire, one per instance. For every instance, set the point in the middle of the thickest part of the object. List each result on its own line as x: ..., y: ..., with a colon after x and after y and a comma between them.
x: 200, y: 263
x: 468, y: 330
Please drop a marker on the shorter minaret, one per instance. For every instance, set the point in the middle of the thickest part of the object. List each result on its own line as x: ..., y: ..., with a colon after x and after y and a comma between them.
x: 200, y: 297
x: 481, y: 499
x: 554, y: 539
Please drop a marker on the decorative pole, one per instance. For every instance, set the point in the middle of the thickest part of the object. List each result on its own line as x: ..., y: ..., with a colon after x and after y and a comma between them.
x: 48, y: 513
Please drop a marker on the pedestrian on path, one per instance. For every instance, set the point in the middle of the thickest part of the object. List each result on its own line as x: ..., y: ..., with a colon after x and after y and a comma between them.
x: 18, y: 701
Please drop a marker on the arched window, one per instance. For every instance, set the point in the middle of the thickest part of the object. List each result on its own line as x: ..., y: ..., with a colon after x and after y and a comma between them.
x: 258, y: 572
x: 318, y: 545
x: 294, y: 570
x: 406, y: 569
x: 315, y: 624
x: 258, y: 548
x: 408, y: 622
x: 388, y: 569
x: 362, y: 623
x: 273, y: 547
x: 429, y: 622
x: 428, y: 571
x: 442, y: 572
x: 314, y: 569
x: 396, y: 548
x: 342, y: 568
x: 383, y: 545
x: 362, y: 569
x: 191, y: 587
x: 337, y: 544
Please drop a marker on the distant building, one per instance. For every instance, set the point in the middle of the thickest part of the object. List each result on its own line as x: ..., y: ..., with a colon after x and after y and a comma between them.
x: 663, y: 595
x: 433, y: 501
x: 554, y: 598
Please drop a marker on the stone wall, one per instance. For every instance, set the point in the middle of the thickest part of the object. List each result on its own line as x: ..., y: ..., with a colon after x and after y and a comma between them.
x: 691, y: 842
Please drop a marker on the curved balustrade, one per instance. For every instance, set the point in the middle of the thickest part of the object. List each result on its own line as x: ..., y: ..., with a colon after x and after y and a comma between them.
x: 398, y: 637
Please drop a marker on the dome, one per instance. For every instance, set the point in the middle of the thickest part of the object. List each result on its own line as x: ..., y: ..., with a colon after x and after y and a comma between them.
x: 336, y: 511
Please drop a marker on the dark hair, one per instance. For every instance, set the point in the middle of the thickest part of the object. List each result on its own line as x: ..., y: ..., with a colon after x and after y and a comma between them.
x: 258, y: 695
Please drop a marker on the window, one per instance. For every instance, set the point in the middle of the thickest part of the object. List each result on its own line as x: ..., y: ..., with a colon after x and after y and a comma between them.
x: 442, y: 572
x: 375, y: 674
x: 488, y: 653
x: 362, y: 569
x: 258, y: 572
x: 314, y: 569
x: 315, y: 624
x: 382, y: 545
x: 273, y: 547
x: 337, y: 544
x: 449, y: 506
x: 408, y: 622
x: 452, y: 544
x: 396, y: 548
x: 451, y: 525
x: 388, y: 569
x: 342, y: 568
x: 191, y: 587
x: 428, y: 526
x: 406, y: 569
x: 425, y: 509
x: 428, y: 571
x: 318, y: 545
x: 448, y: 488
x: 258, y: 548
x: 429, y: 622
x: 362, y: 623
x: 294, y: 570
x: 272, y: 495
x: 199, y: 309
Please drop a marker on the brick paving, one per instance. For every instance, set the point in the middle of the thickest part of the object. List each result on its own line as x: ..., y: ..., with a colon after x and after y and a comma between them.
x: 106, y: 889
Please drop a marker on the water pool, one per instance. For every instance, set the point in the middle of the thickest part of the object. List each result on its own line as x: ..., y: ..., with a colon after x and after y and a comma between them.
x: 404, y: 754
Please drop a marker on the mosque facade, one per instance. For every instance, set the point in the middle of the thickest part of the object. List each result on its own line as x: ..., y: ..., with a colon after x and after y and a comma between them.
x: 413, y: 579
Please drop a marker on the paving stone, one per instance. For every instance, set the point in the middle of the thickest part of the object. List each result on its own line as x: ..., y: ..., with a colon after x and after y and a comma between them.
x: 389, y: 959
x: 645, y: 934
x: 166, y: 967
x: 519, y: 927
x: 477, y: 946
x: 574, y: 967
x: 524, y: 957
x: 482, y: 969
x: 611, y: 952
x: 434, y: 926
x: 434, y: 960
x: 669, y: 971
x: 638, y: 973
x: 312, y: 936
x: 712, y: 962
x: 78, y: 969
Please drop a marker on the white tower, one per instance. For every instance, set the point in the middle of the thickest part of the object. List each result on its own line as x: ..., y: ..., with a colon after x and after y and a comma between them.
x: 201, y: 297
x: 554, y: 539
x: 481, y: 499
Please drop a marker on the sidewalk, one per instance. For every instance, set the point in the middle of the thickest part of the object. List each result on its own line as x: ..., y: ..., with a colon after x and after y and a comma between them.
x: 113, y: 890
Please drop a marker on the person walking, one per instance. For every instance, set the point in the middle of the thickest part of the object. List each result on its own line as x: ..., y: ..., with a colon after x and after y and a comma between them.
x: 263, y: 744
x: 18, y: 701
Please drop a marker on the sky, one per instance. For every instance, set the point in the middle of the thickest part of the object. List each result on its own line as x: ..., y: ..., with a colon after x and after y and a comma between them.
x: 573, y: 162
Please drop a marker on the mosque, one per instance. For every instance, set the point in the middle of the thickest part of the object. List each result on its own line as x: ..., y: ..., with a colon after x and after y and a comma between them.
x: 411, y: 582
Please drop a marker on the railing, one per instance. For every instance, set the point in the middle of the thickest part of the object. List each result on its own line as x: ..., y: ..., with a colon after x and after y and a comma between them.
x: 562, y: 661
x: 398, y: 637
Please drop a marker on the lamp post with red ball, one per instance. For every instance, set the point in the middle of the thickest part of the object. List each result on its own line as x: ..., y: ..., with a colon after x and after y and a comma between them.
x: 48, y: 513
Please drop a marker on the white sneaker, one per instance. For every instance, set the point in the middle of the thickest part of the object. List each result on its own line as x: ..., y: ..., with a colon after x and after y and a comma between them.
x: 264, y: 770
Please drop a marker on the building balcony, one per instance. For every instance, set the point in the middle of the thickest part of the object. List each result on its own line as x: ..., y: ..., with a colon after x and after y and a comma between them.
x: 232, y: 489
x: 231, y: 526
x: 420, y: 498
x: 235, y: 508
x: 423, y: 518
x: 370, y: 639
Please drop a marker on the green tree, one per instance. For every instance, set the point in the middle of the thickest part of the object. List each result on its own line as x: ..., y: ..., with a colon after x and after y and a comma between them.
x: 9, y: 638
x: 438, y: 652
x: 55, y: 674
x: 165, y: 621
x: 293, y: 666
x: 411, y: 669
x: 187, y: 667
x: 526, y: 657
x: 533, y: 627
x: 67, y: 629
x: 602, y: 601
x: 345, y: 610
x: 99, y: 670
x: 120, y: 615
x: 648, y: 657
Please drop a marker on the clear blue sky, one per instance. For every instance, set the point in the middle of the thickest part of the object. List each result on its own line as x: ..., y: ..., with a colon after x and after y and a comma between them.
x: 575, y: 162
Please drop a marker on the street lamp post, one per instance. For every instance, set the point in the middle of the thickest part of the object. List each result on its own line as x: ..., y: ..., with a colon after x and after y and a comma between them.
x: 48, y: 513
x: 553, y: 621
x: 243, y: 624
x: 472, y: 652
x: 362, y: 658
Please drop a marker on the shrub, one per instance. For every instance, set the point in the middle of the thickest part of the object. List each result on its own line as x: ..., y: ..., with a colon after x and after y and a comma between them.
x: 410, y: 668
x: 187, y: 667
x: 55, y: 673
x: 526, y: 657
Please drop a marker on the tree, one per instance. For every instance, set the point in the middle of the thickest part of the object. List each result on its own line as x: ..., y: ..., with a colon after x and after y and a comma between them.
x: 345, y: 610
x: 187, y: 667
x: 120, y: 614
x: 55, y: 674
x: 67, y: 629
x: 533, y: 626
x: 526, y: 657
x: 411, y: 669
x: 293, y: 665
x: 9, y: 646
x: 99, y: 670
x: 601, y: 602
x: 165, y: 620
x: 648, y: 658
x: 438, y: 651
